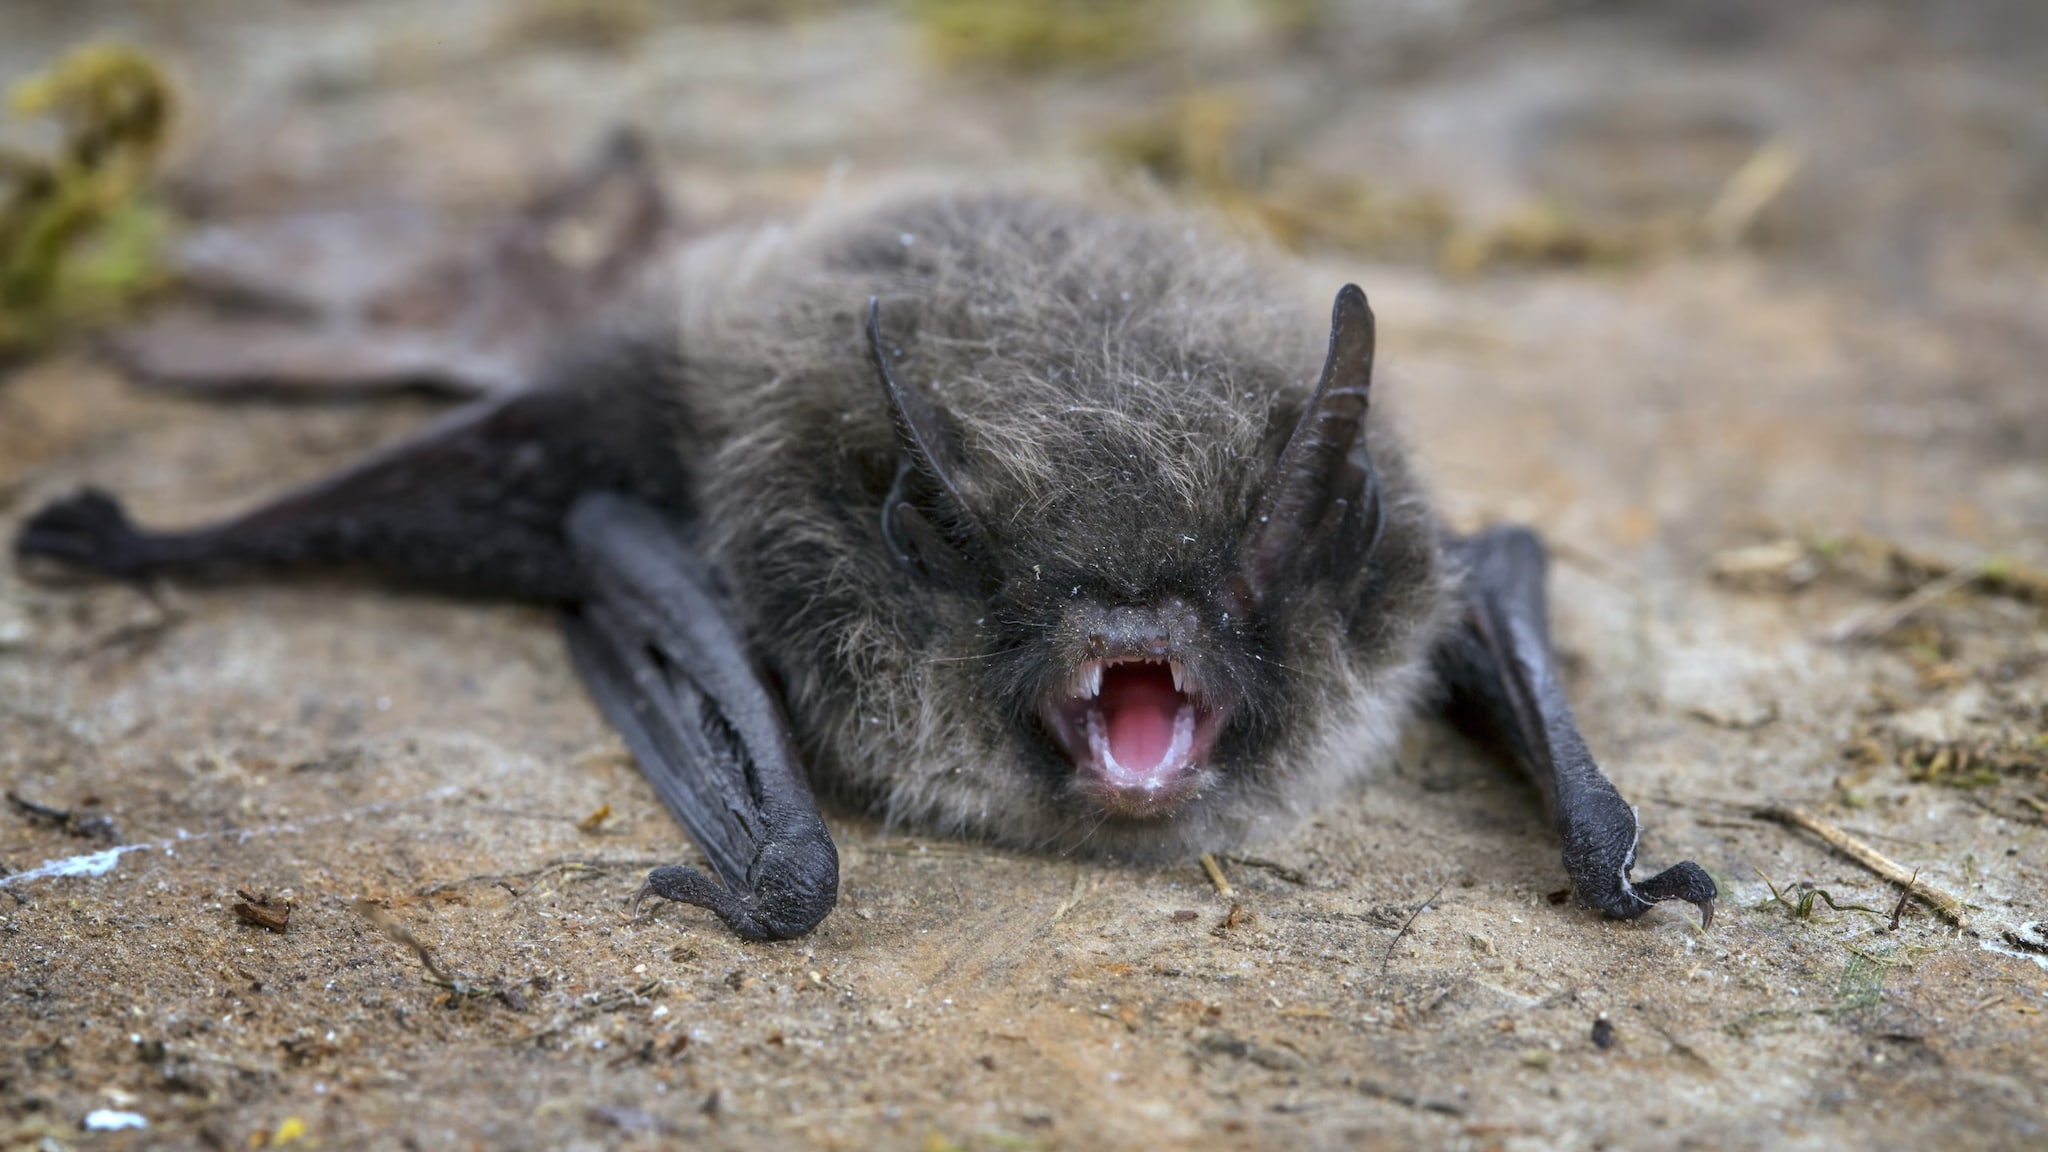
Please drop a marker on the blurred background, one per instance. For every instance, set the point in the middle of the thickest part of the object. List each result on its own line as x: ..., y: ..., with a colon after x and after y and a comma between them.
x: 1893, y: 154
x: 1461, y: 130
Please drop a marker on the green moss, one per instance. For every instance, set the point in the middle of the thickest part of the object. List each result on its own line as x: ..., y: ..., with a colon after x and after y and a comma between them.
x: 1353, y: 215
x: 80, y: 237
x: 586, y: 25
x: 1296, y: 21
x: 1204, y: 142
x: 1861, y: 984
x: 1211, y: 142
x: 1039, y: 35
x: 1546, y: 235
x: 1195, y: 141
x: 1199, y: 143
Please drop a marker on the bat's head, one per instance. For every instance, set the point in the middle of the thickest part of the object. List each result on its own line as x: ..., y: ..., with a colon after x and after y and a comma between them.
x: 1189, y: 594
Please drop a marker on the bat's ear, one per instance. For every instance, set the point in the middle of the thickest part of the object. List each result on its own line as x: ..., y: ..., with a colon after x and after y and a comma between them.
x: 1323, y: 474
x: 924, y: 520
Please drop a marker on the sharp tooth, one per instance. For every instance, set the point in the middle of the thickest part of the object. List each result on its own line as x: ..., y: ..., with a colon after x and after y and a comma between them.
x: 1087, y: 682
x: 1179, y: 674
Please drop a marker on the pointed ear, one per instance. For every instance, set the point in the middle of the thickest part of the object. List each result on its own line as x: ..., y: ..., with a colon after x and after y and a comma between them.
x: 919, y: 434
x: 923, y: 457
x: 1324, y: 460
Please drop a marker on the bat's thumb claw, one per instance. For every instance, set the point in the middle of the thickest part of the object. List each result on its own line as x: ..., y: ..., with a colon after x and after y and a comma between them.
x: 689, y: 886
x: 87, y: 530
x: 639, y: 898
x: 1688, y: 882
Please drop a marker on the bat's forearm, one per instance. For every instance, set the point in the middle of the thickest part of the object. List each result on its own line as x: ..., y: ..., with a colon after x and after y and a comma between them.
x: 1503, y: 688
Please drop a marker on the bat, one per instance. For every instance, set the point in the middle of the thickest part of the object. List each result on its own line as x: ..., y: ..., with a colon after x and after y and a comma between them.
x: 1002, y: 516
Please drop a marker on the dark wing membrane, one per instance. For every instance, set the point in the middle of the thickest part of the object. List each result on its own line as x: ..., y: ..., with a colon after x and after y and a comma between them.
x: 673, y: 730
x: 665, y: 664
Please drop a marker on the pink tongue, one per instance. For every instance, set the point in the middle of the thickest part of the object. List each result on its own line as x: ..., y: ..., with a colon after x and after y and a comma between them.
x: 1138, y: 707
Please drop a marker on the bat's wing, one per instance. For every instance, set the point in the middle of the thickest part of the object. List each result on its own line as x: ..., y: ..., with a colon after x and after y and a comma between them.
x: 1504, y: 689
x: 668, y: 669
x: 493, y: 499
x: 475, y: 502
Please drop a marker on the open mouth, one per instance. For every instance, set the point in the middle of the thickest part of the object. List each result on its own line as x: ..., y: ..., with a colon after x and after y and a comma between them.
x: 1138, y: 737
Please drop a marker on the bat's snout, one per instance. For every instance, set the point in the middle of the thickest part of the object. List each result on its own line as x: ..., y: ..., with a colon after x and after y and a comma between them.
x: 1132, y: 715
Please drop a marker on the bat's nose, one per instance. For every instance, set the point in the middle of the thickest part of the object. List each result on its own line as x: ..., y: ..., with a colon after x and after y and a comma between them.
x: 1133, y: 632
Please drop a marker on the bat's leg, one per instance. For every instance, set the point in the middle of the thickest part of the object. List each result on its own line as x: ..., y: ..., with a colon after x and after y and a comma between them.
x: 476, y: 503
x: 1503, y: 688
x: 660, y: 657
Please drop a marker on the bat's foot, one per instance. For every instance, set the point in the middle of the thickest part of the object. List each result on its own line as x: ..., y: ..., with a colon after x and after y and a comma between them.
x: 90, y: 531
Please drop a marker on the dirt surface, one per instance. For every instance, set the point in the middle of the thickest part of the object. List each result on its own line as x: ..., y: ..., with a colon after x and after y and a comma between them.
x: 1864, y: 360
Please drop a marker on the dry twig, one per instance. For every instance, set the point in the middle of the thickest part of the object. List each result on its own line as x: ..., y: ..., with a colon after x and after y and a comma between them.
x: 570, y: 864
x: 1753, y: 187
x: 436, y: 974
x: 1834, y: 837
x: 1073, y: 898
x: 1905, y: 894
x: 1876, y: 622
x: 1999, y: 574
x: 1405, y: 925
x: 1291, y: 875
x: 1217, y: 877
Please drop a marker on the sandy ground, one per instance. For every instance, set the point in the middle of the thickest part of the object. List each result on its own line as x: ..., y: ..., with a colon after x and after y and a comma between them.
x: 1867, y: 362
